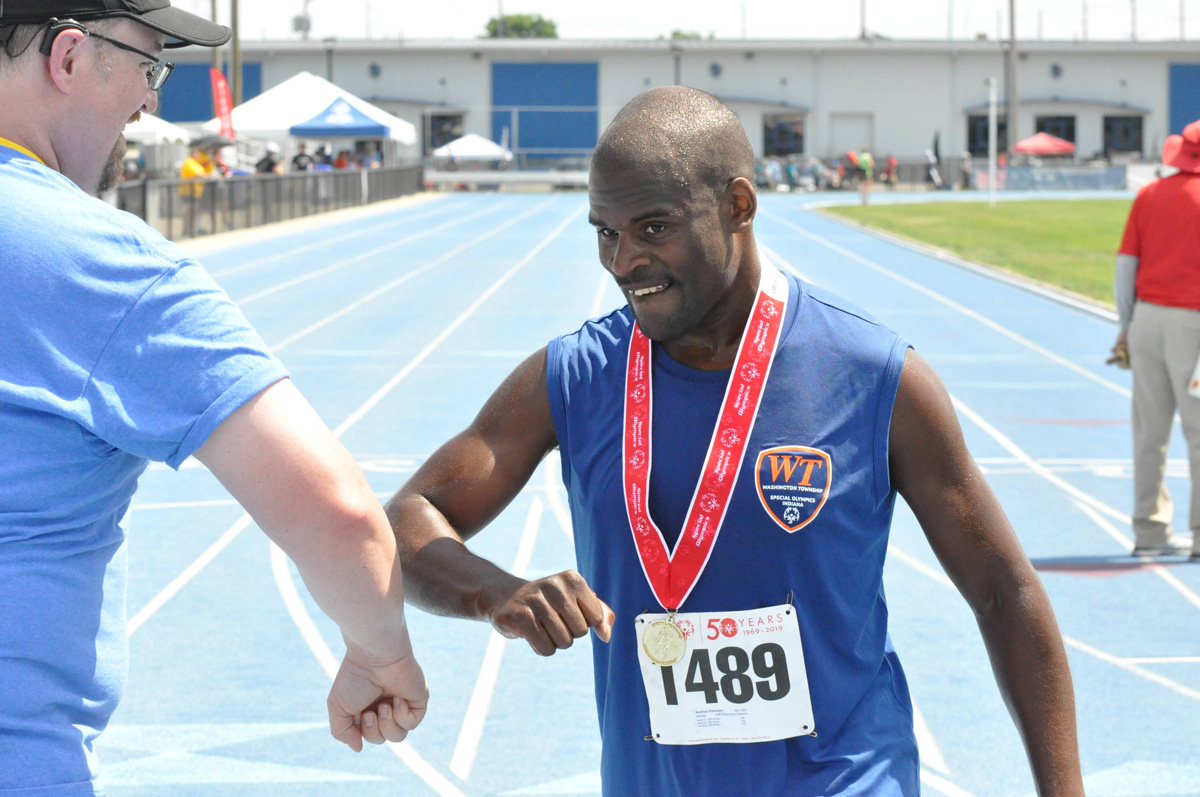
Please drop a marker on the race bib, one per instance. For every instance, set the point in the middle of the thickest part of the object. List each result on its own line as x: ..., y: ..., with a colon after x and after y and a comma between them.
x: 740, y: 678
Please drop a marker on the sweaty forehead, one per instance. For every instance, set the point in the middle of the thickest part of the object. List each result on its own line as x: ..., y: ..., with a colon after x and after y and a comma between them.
x: 616, y: 196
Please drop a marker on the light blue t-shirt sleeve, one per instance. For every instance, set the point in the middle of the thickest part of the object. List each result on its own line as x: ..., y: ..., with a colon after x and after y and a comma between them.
x: 179, y: 362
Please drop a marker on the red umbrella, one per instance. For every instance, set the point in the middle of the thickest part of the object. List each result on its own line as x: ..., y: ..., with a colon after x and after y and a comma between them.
x: 1044, y: 144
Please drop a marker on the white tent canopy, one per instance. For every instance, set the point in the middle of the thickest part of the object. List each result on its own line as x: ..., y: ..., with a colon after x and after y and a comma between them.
x: 154, y: 130
x: 298, y: 99
x: 473, y: 147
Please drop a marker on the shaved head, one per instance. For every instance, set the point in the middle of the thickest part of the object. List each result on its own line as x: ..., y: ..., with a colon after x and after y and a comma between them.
x: 680, y: 136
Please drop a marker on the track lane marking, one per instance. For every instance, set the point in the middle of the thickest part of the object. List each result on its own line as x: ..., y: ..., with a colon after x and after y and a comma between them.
x: 375, y: 294
x: 435, y: 210
x: 330, y: 664
x: 279, y: 563
x: 987, y: 322
x: 341, y: 264
x: 242, y: 523
x: 380, y: 394
x: 471, y: 732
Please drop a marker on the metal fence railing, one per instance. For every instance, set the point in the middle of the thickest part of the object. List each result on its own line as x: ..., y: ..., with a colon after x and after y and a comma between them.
x: 189, y: 208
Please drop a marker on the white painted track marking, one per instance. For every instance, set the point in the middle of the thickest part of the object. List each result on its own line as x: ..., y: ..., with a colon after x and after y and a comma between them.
x: 296, y: 608
x: 1085, y: 502
x: 189, y: 572
x: 341, y: 264
x: 931, y: 754
x: 375, y: 294
x: 942, y: 786
x: 598, y: 301
x: 380, y: 394
x: 262, y: 261
x: 240, y: 525
x: 990, y: 324
x: 329, y: 663
x: 554, y: 494
x: 467, y: 746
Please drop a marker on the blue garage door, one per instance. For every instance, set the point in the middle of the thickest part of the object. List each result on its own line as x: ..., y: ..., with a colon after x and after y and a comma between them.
x: 548, y: 110
x: 1185, y: 95
x: 187, y: 95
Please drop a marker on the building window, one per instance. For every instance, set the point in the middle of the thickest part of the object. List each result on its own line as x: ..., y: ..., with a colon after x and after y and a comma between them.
x: 1122, y: 134
x: 977, y: 135
x: 1058, y: 126
x: 441, y: 129
x: 783, y: 135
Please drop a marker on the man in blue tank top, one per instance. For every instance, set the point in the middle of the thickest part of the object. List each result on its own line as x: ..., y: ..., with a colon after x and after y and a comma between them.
x: 732, y: 445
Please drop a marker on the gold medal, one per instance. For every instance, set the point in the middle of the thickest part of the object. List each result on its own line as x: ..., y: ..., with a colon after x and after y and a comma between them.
x: 663, y: 642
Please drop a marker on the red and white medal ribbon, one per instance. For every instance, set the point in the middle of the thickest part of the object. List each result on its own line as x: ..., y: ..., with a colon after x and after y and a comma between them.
x: 672, y: 575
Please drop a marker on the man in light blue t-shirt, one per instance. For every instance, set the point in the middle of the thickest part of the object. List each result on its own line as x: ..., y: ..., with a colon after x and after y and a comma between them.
x: 118, y: 349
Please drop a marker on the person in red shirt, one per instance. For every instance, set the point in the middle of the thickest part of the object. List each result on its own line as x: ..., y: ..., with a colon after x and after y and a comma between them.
x: 1157, y: 287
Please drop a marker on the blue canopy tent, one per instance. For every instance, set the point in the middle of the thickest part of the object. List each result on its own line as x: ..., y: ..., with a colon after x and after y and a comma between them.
x: 340, y: 120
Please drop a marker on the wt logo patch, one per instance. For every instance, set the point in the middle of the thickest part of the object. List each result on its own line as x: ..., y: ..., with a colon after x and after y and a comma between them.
x: 793, y: 483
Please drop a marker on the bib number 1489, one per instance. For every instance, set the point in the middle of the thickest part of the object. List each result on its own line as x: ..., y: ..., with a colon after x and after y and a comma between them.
x: 740, y: 675
x: 741, y: 678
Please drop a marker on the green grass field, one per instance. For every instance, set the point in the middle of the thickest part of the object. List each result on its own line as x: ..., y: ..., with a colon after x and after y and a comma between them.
x: 1071, y: 244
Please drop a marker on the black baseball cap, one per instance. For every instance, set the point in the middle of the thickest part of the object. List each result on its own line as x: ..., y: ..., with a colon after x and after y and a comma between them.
x: 180, y: 27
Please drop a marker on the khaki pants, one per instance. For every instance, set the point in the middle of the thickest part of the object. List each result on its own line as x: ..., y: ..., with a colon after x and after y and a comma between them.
x: 1164, y: 343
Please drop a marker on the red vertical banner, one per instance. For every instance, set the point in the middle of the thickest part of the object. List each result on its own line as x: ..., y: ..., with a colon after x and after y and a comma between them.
x: 222, y: 103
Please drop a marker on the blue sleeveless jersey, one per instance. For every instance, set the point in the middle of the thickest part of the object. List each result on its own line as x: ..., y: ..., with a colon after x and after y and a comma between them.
x: 831, y: 388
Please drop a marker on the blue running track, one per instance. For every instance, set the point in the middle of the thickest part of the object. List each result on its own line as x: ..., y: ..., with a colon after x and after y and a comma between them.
x: 399, y: 321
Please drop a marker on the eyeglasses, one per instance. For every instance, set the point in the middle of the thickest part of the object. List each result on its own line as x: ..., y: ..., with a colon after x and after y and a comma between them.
x: 156, y: 75
x: 159, y: 69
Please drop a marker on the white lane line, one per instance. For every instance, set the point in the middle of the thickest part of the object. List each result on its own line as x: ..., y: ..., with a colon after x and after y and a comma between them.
x: 599, y: 301
x: 927, y: 746
x: 778, y: 259
x: 183, y: 504
x: 341, y: 264
x: 375, y: 294
x: 552, y: 468
x: 296, y: 608
x: 391, y: 222
x: 189, y: 572
x: 244, y: 521
x: 380, y: 394
x: 1084, y: 501
x: 1036, y: 466
x: 1090, y: 506
x: 922, y: 568
x: 1161, y: 659
x: 1123, y: 664
x: 471, y: 733
x: 990, y: 324
x: 942, y: 786
x: 329, y: 663
x: 1108, y: 528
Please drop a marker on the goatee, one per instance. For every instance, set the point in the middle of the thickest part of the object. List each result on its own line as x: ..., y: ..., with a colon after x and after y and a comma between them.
x: 113, y: 168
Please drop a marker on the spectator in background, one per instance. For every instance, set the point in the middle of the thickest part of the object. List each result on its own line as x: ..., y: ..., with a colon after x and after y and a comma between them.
x: 270, y: 163
x: 933, y: 178
x: 965, y: 172
x: 343, y: 160
x: 302, y: 161
x: 1157, y: 289
x: 322, y: 156
x: 889, y: 175
x: 197, y: 167
x: 866, y: 170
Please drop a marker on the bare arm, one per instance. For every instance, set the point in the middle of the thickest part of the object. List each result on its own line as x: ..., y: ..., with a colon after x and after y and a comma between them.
x: 301, y: 486
x: 968, y: 531
x: 459, y: 490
